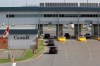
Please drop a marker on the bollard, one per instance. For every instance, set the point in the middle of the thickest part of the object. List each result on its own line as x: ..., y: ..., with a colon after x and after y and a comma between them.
x: 13, y: 64
x: 12, y: 59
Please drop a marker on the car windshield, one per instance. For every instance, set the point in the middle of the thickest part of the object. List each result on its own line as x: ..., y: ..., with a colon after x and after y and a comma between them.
x: 87, y: 34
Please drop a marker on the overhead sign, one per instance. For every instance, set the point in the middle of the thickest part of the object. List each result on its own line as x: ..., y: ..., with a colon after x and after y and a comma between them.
x: 88, y: 21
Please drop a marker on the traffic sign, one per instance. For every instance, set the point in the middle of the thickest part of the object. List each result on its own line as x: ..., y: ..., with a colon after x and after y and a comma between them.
x: 88, y: 21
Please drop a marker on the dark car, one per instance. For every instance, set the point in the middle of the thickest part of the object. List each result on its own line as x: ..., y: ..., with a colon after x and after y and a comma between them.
x: 53, y: 50
x: 50, y: 40
x: 51, y: 43
x: 51, y: 37
x: 46, y: 36
x: 67, y: 35
x: 88, y: 35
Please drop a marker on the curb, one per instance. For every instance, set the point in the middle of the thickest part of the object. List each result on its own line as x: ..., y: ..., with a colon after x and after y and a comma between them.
x: 32, y: 57
x: 27, y: 60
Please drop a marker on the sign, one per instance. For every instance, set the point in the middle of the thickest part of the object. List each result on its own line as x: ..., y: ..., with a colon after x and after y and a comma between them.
x: 88, y: 21
x: 21, y: 37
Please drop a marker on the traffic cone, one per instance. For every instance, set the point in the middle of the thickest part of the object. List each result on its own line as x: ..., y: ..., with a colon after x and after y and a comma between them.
x: 12, y: 60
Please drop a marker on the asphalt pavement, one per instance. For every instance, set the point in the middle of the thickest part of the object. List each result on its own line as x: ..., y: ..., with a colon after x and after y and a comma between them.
x: 70, y: 53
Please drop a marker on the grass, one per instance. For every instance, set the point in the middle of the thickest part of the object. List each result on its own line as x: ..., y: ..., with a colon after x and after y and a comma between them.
x: 28, y: 54
x: 4, y: 60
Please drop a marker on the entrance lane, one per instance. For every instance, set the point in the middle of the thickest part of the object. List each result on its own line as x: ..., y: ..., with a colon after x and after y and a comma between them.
x: 70, y: 53
x: 49, y: 59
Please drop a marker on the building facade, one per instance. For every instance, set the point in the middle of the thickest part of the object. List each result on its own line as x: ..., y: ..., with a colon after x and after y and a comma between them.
x: 56, y: 13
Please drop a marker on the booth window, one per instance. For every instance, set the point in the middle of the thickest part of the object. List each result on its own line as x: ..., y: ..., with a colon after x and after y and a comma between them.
x: 10, y: 16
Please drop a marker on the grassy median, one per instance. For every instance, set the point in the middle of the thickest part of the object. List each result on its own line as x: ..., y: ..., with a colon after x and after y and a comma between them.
x: 28, y: 54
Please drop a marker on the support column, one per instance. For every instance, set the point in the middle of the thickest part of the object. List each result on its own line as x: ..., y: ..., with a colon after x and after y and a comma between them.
x: 95, y: 31
x: 99, y: 30
x: 59, y: 30
x: 40, y: 29
x: 76, y: 29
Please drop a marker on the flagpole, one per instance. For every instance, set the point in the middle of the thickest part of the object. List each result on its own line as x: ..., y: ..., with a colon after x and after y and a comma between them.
x: 8, y: 39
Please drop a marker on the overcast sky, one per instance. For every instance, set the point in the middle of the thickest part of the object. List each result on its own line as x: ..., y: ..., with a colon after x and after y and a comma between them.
x: 16, y: 3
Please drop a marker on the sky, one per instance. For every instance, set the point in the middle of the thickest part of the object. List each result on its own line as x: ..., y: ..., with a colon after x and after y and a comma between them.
x: 18, y: 3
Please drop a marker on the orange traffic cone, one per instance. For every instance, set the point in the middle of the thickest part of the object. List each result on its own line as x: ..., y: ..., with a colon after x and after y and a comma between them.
x: 12, y: 60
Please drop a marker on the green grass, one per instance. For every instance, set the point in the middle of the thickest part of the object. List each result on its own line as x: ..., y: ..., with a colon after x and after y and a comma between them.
x: 28, y: 54
x: 4, y: 60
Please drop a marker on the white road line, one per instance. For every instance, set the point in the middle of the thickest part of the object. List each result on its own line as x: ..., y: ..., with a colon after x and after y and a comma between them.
x: 13, y: 64
x: 89, y: 50
x: 65, y: 51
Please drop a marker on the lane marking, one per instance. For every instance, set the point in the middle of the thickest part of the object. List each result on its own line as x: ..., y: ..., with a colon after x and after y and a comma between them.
x: 52, y: 62
x: 66, y: 56
x: 13, y: 64
x: 89, y: 50
x: 65, y: 51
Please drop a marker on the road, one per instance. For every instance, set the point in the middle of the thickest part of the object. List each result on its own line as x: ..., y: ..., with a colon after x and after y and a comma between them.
x: 70, y: 53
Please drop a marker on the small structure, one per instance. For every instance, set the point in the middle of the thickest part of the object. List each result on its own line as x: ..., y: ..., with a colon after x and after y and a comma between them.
x: 21, y: 38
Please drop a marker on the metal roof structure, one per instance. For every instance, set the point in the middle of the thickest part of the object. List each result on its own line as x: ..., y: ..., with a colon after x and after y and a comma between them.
x: 21, y: 31
x: 39, y: 9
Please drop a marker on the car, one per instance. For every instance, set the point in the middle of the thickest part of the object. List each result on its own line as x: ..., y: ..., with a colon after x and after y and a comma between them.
x: 88, y: 35
x: 61, y: 39
x: 51, y: 40
x: 53, y: 50
x: 67, y: 35
x: 46, y: 36
x: 51, y: 43
x: 51, y: 37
